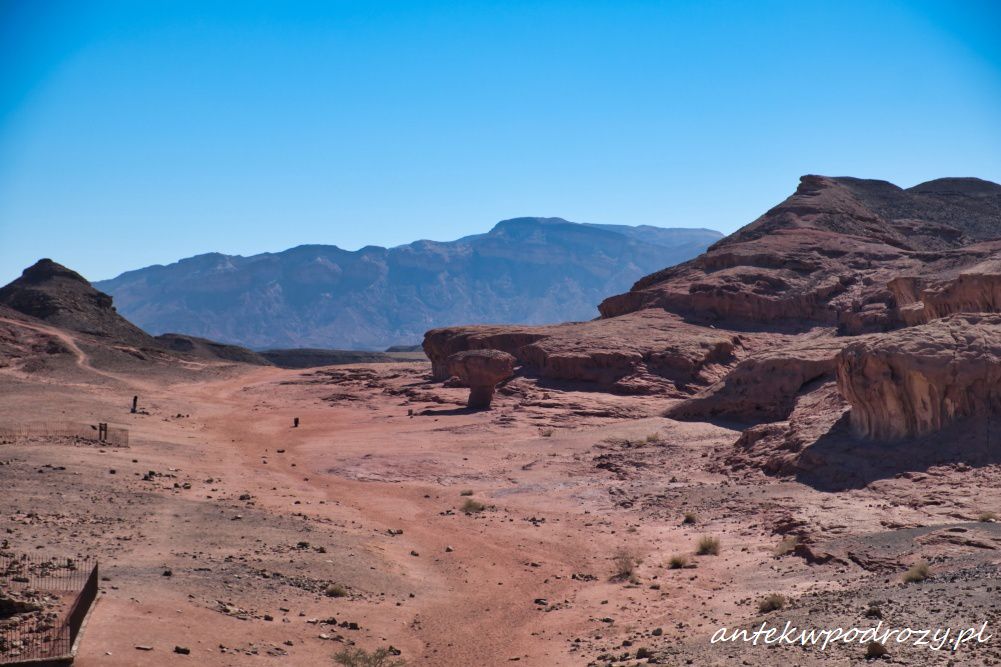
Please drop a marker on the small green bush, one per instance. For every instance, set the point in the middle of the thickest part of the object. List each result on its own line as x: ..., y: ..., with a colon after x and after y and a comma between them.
x: 335, y: 591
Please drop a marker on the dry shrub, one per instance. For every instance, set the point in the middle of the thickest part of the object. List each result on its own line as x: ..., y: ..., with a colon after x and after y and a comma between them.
x: 625, y: 562
x: 356, y: 657
x: 473, y: 506
x: 708, y: 546
x: 772, y: 602
x: 875, y: 650
x: 917, y: 572
x: 678, y: 562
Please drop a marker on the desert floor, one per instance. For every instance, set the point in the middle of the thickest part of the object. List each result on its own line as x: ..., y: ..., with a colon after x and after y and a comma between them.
x: 585, y: 496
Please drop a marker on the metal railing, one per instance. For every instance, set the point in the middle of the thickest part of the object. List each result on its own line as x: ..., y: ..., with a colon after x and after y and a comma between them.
x: 44, y: 603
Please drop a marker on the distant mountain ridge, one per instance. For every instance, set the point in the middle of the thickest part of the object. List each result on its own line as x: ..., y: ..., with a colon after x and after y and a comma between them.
x: 524, y: 270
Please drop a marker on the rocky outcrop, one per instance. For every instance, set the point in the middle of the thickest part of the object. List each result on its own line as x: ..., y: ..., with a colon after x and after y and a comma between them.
x: 921, y: 300
x: 50, y: 292
x: 764, y: 387
x: 826, y: 252
x: 481, y: 370
x: 918, y: 380
x: 650, y: 351
x: 750, y: 329
x: 208, y: 349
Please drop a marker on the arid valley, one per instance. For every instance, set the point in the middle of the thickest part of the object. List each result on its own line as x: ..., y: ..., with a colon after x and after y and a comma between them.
x: 794, y: 426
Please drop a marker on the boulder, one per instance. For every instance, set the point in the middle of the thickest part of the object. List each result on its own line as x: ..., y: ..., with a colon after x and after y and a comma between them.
x: 481, y: 370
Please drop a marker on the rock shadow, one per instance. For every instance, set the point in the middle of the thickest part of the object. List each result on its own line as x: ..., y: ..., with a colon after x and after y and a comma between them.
x: 839, y: 460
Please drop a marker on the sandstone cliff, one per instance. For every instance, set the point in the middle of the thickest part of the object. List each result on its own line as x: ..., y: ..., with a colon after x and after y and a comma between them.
x: 918, y: 380
x: 846, y: 280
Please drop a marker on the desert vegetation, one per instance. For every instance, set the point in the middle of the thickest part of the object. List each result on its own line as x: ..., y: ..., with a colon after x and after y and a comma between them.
x: 357, y: 657
x: 771, y: 602
x: 471, y: 506
x: 708, y: 545
x: 917, y: 572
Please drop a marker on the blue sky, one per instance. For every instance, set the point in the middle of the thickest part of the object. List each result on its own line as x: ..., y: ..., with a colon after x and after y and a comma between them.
x: 134, y: 133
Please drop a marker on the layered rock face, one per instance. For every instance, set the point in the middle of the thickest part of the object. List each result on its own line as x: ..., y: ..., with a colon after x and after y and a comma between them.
x: 919, y: 380
x: 841, y: 257
x: 827, y: 254
x: 650, y: 351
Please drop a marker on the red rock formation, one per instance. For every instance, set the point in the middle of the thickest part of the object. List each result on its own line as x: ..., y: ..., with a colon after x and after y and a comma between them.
x: 51, y: 292
x: 481, y: 370
x: 764, y: 386
x: 644, y: 352
x: 918, y: 380
x: 755, y: 324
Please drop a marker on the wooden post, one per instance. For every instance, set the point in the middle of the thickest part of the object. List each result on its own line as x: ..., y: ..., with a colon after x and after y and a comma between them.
x: 135, y: 404
x: 295, y: 422
x: 102, y: 431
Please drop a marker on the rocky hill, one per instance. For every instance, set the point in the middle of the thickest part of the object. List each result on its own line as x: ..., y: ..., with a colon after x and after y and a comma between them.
x: 853, y: 306
x: 50, y: 293
x: 527, y: 270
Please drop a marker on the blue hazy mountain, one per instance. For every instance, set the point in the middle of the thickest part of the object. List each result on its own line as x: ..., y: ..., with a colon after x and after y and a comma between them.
x: 525, y: 270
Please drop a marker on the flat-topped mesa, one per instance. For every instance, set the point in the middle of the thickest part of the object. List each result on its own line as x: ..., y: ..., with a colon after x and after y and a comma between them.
x: 481, y: 370
x: 918, y: 380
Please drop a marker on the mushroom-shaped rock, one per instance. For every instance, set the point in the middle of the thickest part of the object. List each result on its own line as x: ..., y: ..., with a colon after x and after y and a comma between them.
x: 481, y: 370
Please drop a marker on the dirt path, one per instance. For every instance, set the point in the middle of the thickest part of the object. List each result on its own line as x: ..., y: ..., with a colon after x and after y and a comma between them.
x: 81, y: 358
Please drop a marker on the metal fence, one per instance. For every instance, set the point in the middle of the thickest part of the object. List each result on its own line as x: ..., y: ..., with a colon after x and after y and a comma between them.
x: 44, y: 603
x: 112, y: 436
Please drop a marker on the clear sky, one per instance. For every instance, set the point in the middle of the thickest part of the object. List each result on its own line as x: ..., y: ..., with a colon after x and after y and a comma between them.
x: 134, y: 133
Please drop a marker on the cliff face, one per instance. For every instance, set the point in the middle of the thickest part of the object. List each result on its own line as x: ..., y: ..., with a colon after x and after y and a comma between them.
x: 919, y: 380
x: 756, y: 328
